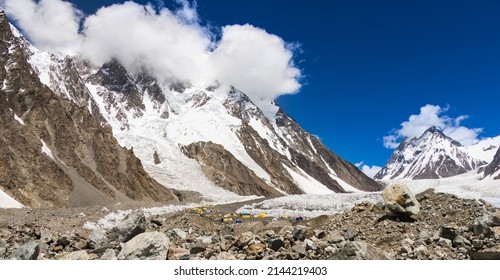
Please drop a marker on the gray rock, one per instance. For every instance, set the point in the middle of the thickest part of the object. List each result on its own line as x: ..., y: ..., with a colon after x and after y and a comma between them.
x: 132, y: 225
x: 419, y: 243
x: 461, y: 241
x: 63, y: 241
x: 244, y: 239
x: 300, y: 248
x: 421, y: 252
x: 481, y: 226
x: 270, y: 233
x: 425, y: 236
x: 158, y: 221
x: 46, y: 236
x: 97, y: 238
x: 179, y: 233
x: 177, y: 253
x: 408, y: 242
x: 495, y: 219
x: 445, y: 243
x: 225, y: 256
x: 320, y: 234
x: 298, y: 232
x: 449, y: 231
x: 335, y: 237
x: 80, y: 245
x: 276, y: 243
x: 196, y: 248
x: 28, y: 251
x: 3, y: 249
x: 206, y: 240
x: 400, y: 200
x: 405, y: 249
x: 477, y: 244
x: 350, y: 234
x: 487, y: 254
x: 109, y: 255
x: 78, y: 255
x: 145, y: 246
x: 357, y: 250
x: 310, y: 245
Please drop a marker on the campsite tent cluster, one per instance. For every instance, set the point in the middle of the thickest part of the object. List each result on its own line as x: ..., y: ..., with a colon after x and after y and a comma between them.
x: 213, y: 212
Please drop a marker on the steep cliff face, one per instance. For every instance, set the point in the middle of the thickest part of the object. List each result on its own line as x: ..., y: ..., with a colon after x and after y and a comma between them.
x: 226, y: 171
x: 54, y: 151
x: 493, y: 169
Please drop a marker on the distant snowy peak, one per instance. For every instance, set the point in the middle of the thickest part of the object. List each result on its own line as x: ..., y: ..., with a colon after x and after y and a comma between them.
x: 433, y: 155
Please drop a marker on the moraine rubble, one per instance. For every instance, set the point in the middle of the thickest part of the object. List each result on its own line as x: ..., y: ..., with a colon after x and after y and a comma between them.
x: 446, y: 227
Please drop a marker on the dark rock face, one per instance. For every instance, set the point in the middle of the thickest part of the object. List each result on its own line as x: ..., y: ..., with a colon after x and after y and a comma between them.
x: 61, y: 155
x: 431, y: 156
x: 494, y: 166
x: 225, y: 170
x: 115, y: 77
x: 306, y: 151
x: 316, y: 159
x: 269, y: 159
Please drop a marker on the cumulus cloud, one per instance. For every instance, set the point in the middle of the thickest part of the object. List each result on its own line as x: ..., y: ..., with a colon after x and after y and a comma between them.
x: 429, y: 116
x: 369, y: 171
x: 139, y: 37
x: 238, y: 51
x: 172, y: 44
x: 50, y: 24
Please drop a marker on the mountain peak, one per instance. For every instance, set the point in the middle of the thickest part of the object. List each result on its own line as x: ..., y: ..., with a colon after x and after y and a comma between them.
x: 433, y: 155
x: 434, y: 130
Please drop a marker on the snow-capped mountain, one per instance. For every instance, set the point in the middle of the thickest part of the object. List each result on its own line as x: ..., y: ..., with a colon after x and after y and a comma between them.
x: 433, y: 155
x: 214, y: 141
x: 55, y: 153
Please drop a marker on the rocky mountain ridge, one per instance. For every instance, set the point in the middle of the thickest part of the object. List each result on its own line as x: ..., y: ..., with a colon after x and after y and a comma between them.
x: 163, y: 123
x: 56, y: 153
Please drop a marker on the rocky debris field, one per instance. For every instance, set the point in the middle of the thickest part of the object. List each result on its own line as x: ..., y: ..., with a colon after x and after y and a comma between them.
x: 443, y: 226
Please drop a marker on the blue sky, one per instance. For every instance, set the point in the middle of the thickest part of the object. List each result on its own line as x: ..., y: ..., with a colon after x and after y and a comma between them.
x: 368, y: 65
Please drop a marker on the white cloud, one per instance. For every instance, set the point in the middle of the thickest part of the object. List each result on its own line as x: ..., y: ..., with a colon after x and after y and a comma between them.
x: 432, y: 115
x: 370, y: 171
x: 138, y: 36
x: 50, y: 24
x: 172, y: 44
x: 255, y: 60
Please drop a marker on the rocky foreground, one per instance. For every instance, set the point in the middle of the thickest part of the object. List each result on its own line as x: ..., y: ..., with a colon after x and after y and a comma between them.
x: 444, y: 227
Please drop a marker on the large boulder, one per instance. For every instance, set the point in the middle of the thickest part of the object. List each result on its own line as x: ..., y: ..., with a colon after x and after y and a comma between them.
x: 357, y: 250
x: 487, y: 254
x: 81, y: 255
x: 28, y: 251
x: 400, y: 200
x: 132, y: 225
x: 146, y: 246
x: 97, y: 238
